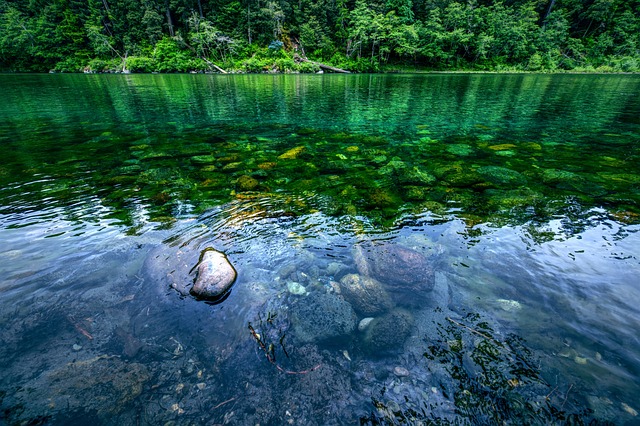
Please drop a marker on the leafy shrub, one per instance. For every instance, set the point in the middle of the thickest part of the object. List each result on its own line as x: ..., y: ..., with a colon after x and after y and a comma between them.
x: 98, y: 65
x: 285, y: 64
x: 169, y: 57
x: 306, y: 67
x: 535, y: 62
x: 255, y: 65
x: 605, y: 69
x: 140, y: 64
x: 626, y: 64
x: 71, y: 64
x: 276, y: 45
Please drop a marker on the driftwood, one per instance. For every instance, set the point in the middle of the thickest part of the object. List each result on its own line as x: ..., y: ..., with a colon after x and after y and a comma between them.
x: 321, y: 65
x: 211, y: 64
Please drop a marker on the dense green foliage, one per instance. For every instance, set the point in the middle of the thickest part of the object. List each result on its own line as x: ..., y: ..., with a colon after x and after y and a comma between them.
x: 269, y: 35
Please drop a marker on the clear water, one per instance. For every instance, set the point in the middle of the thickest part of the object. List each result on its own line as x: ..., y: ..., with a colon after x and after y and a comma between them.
x: 521, y: 193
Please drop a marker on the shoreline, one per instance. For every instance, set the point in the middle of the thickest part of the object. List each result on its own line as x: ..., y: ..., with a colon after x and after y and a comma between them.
x: 417, y: 72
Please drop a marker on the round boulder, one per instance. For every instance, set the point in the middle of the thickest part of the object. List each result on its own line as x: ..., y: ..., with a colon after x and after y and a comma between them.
x: 365, y: 294
x: 215, y: 276
x: 395, y: 266
x: 246, y: 183
x: 388, y: 332
x: 322, y: 317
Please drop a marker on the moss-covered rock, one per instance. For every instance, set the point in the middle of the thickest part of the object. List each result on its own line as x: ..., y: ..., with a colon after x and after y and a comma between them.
x: 415, y: 176
x: 502, y: 176
x: 203, y: 159
x: 246, y: 183
x: 292, y: 154
x: 459, y: 149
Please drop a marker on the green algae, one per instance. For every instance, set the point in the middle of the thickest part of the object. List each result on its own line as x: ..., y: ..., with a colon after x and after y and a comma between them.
x: 488, y: 171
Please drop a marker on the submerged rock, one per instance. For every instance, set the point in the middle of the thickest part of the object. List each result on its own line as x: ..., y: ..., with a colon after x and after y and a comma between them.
x: 104, y: 384
x: 215, y: 277
x: 395, y: 266
x: 366, y: 295
x: 292, y: 154
x: 322, y: 317
x: 296, y: 288
x: 387, y: 333
x: 501, y: 176
x: 246, y: 183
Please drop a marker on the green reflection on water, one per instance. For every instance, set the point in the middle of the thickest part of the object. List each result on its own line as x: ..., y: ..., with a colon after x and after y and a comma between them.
x: 489, y: 148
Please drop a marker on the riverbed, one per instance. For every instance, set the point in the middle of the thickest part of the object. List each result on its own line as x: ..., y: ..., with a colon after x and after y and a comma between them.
x: 514, y: 201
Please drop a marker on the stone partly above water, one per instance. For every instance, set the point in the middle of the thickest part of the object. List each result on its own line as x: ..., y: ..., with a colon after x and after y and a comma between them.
x: 215, y: 277
x: 173, y: 267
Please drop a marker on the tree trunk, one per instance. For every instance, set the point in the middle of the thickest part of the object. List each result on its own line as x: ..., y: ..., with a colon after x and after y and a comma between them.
x: 200, y: 9
x: 169, y: 20
x: 212, y: 65
x: 549, y: 10
x: 249, y: 22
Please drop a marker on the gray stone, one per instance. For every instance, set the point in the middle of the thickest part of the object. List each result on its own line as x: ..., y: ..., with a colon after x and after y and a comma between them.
x: 395, y: 266
x: 365, y: 294
x: 387, y: 333
x: 323, y: 317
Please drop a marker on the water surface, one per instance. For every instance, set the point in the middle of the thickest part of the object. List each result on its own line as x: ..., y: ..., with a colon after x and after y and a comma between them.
x: 520, y: 192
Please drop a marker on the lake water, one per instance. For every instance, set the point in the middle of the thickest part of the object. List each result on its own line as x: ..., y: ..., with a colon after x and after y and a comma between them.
x: 512, y: 203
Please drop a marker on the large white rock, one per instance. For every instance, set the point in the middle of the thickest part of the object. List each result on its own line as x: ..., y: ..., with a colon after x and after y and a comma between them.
x: 215, y: 277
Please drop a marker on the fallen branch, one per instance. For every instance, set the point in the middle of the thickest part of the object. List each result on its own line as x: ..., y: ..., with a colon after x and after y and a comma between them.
x: 208, y: 62
x: 77, y: 326
x: 211, y: 64
x: 224, y: 402
x: 321, y: 65
x: 268, y: 352
x: 566, y: 396
x: 486, y: 336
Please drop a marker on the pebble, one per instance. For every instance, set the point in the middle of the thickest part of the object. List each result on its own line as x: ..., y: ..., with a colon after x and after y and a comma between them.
x: 629, y: 409
x: 201, y: 386
x: 509, y: 305
x: 400, y: 371
x: 364, y: 323
x: 598, y: 356
x: 296, y: 288
x: 580, y: 360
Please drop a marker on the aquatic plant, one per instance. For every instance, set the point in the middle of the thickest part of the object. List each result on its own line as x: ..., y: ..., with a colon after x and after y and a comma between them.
x: 487, y: 379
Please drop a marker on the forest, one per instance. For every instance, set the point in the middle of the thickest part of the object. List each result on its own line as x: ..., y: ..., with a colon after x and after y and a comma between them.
x: 299, y: 36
